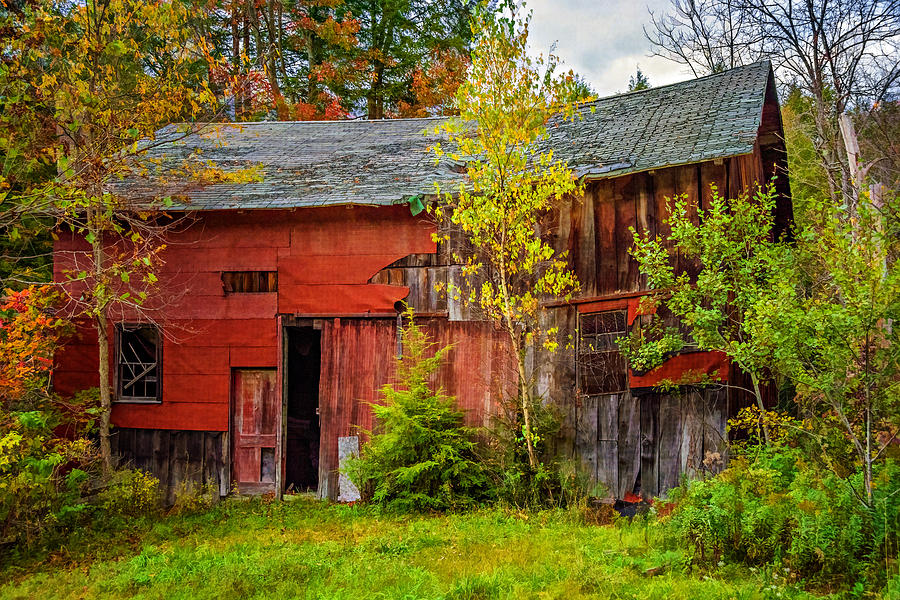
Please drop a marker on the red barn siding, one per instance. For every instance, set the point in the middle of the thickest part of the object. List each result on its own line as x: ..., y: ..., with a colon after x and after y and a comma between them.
x: 324, y: 258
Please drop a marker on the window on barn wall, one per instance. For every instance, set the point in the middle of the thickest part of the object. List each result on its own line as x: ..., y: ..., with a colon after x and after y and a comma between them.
x: 601, y: 367
x: 138, y: 363
x: 249, y: 282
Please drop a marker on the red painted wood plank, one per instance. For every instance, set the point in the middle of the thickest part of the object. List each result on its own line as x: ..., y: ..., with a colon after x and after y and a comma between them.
x: 226, y: 332
x: 330, y: 269
x: 196, y: 388
x: 245, y: 230
x: 248, y: 356
x: 339, y: 299
x: 713, y: 364
x: 192, y: 259
x: 172, y: 415
x: 226, y: 307
x: 185, y: 359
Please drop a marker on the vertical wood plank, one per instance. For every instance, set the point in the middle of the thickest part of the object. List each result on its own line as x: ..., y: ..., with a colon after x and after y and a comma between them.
x: 714, y: 427
x: 664, y: 190
x: 626, y: 207
x: 629, y: 443
x: 692, y: 434
x: 586, y: 436
x: 161, y: 462
x: 649, y: 445
x: 179, y: 467
x: 194, y: 457
x: 608, y: 443
x: 328, y: 381
x: 670, y: 437
x: 587, y: 244
x: 605, y: 211
x: 281, y: 398
x: 712, y: 174
x: 687, y: 185
x: 646, y: 212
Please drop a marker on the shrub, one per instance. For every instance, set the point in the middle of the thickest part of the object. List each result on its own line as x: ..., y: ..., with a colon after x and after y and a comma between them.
x: 777, y: 507
x: 43, y: 479
x: 130, y: 493
x: 552, y: 483
x: 192, y: 497
x: 420, y: 456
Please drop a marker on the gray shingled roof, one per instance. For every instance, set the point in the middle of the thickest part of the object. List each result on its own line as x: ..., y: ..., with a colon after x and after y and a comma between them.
x: 386, y: 162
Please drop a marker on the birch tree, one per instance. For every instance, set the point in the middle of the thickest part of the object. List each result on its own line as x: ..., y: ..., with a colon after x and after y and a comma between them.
x: 505, y: 106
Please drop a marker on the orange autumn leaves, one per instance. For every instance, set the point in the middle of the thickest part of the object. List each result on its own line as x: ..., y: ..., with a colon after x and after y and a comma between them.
x: 29, y: 336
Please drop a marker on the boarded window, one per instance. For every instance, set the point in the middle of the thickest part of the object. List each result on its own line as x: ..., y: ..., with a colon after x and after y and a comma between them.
x: 601, y: 367
x: 253, y: 282
x: 138, y: 363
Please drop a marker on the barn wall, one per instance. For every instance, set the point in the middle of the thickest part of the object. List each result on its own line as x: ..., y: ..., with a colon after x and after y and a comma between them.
x: 324, y: 258
x: 348, y: 265
x: 594, y: 229
x: 182, y: 460
x: 358, y: 358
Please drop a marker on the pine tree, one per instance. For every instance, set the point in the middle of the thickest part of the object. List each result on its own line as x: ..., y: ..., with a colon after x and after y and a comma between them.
x: 420, y: 456
x: 638, y: 81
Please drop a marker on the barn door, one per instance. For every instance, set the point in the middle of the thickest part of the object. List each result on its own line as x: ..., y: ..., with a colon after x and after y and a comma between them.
x: 254, y: 425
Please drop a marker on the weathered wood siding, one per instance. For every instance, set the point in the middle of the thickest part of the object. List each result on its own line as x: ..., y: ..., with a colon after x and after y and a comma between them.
x: 182, y: 460
x: 595, y: 229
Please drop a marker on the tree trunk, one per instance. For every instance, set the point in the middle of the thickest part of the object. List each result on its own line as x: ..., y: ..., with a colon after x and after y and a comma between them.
x: 102, y: 325
x: 236, y: 60
x: 762, y: 408
x: 525, y: 402
x: 105, y: 391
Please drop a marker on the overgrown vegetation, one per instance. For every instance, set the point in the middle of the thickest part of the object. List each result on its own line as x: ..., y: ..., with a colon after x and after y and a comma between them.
x: 264, y: 549
x: 775, y: 505
x: 52, y: 481
x: 816, y: 490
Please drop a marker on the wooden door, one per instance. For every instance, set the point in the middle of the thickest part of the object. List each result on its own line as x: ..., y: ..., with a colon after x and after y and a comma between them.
x: 255, y: 417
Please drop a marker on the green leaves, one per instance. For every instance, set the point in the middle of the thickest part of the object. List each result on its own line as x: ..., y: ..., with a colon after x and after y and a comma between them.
x: 731, y: 244
x: 504, y: 106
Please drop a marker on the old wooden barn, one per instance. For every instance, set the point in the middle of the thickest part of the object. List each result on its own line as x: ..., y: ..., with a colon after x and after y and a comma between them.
x: 282, y: 297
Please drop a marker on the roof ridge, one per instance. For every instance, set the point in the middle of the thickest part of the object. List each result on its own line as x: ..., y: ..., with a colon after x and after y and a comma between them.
x: 326, y: 121
x: 676, y: 83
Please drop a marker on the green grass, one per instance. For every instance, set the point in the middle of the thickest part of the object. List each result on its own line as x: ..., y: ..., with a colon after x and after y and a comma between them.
x: 308, y: 549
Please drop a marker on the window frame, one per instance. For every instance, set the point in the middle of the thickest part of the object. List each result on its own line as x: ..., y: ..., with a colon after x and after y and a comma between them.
x: 118, y: 396
x: 580, y: 352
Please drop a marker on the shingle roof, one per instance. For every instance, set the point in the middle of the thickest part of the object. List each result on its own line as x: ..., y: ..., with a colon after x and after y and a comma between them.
x: 386, y: 162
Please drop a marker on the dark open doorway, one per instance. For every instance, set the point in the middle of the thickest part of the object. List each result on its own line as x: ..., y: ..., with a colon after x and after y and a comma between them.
x: 304, y: 357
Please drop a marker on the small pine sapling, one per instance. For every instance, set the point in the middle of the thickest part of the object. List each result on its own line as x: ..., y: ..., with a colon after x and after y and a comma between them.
x: 420, y: 455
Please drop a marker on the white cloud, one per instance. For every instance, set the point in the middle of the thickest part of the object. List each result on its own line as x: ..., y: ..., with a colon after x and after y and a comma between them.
x: 603, y: 40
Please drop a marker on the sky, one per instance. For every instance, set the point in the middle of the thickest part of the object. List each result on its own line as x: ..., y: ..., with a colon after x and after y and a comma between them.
x: 602, y: 40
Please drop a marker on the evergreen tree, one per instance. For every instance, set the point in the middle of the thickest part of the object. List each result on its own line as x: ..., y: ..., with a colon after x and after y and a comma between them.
x: 420, y: 456
x: 638, y: 81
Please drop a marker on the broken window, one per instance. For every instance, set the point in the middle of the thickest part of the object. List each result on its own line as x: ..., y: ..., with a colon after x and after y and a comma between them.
x: 138, y: 363
x: 242, y: 282
x: 601, y: 367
